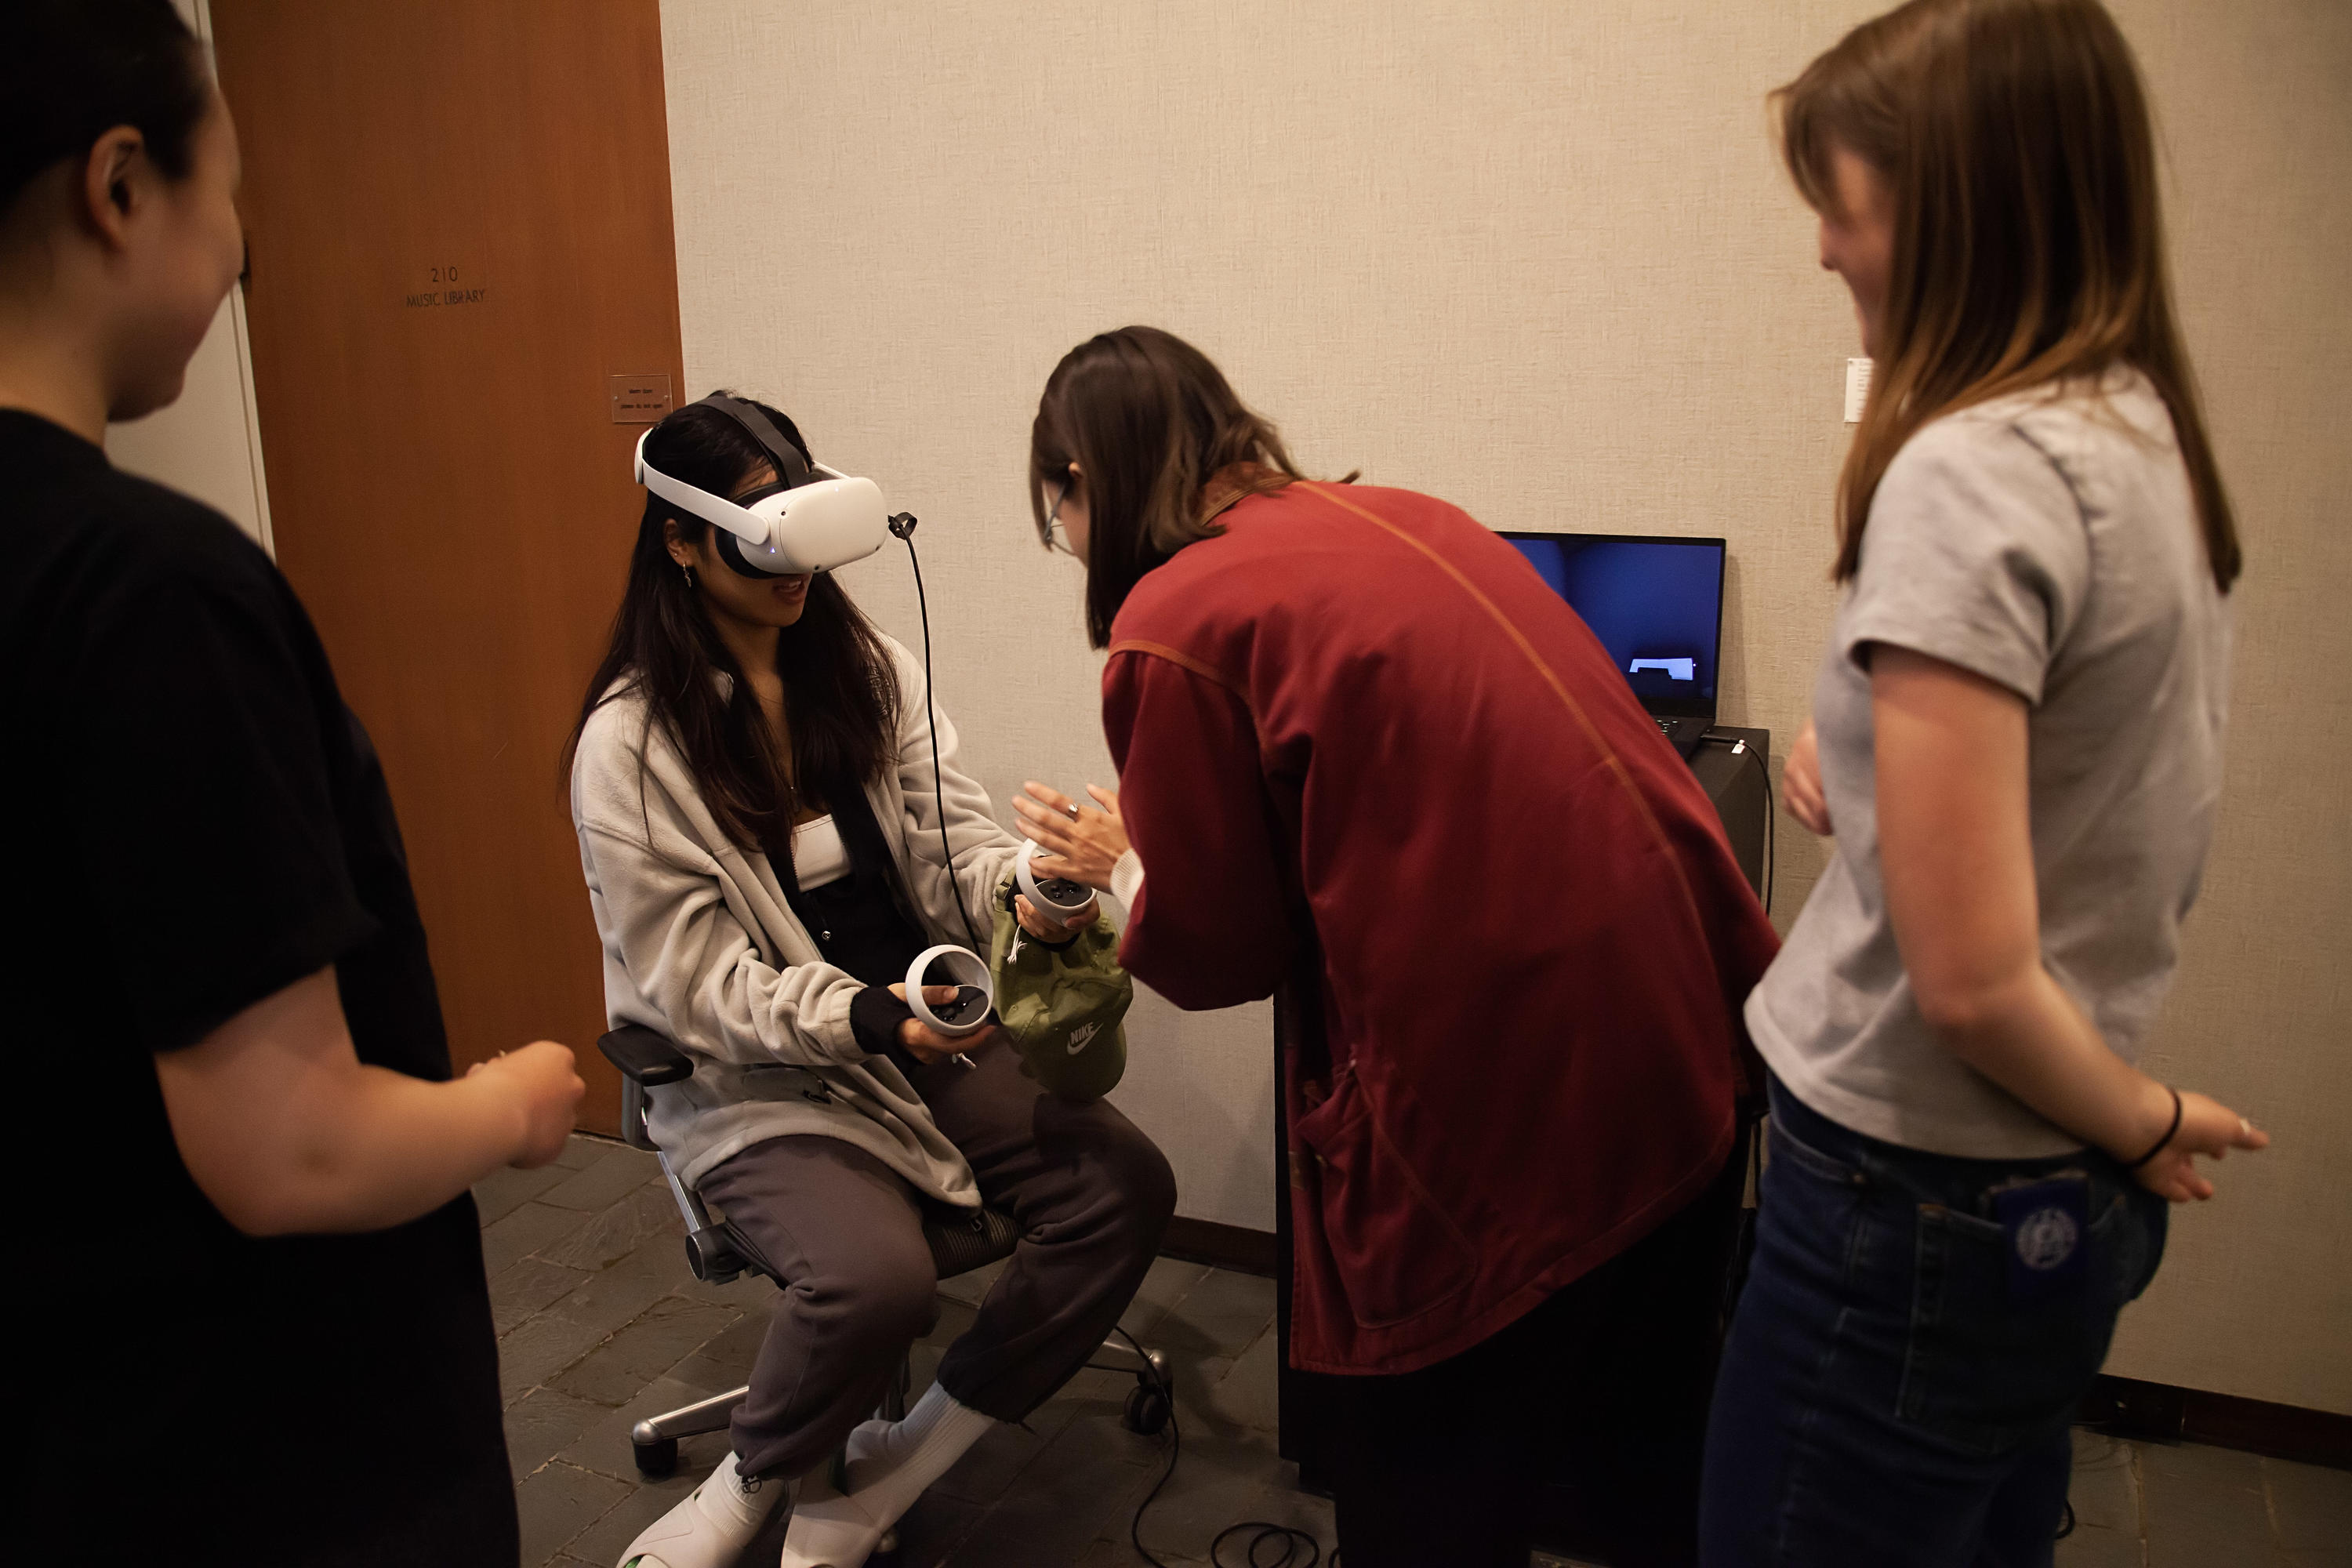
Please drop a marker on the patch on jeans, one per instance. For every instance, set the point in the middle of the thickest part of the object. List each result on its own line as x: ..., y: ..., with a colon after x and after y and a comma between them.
x: 2042, y: 1226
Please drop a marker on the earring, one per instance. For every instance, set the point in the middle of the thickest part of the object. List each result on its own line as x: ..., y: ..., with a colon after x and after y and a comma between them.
x: 688, y: 573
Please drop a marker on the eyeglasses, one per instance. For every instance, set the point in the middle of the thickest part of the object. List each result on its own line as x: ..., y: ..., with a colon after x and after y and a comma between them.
x: 1050, y: 531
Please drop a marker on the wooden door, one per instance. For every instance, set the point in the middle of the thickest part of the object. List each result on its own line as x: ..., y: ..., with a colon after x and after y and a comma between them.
x: 459, y: 222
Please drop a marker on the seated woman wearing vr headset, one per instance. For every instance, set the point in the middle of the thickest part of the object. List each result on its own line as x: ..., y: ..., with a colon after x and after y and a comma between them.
x: 765, y: 824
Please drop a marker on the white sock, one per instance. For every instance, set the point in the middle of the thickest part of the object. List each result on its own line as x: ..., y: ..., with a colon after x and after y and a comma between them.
x: 886, y: 1459
x: 734, y: 1504
x: 889, y: 1467
x: 710, y: 1528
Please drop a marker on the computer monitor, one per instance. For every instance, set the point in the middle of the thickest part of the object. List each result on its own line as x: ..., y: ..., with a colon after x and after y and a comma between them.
x: 1656, y: 601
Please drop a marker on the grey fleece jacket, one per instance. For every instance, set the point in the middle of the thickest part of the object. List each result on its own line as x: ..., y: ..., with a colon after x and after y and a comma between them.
x: 700, y: 944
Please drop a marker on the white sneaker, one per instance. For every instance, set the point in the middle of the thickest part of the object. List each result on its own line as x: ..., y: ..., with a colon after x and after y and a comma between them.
x: 710, y: 1528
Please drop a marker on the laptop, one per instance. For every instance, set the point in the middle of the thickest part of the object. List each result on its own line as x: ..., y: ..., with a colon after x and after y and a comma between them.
x: 1656, y: 601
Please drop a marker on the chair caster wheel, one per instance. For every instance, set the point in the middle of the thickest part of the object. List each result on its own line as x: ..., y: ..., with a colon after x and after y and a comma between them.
x: 657, y: 1458
x: 1146, y: 1411
x: 885, y: 1550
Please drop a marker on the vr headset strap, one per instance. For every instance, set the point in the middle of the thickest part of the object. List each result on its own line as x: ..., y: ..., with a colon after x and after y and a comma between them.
x: 792, y: 469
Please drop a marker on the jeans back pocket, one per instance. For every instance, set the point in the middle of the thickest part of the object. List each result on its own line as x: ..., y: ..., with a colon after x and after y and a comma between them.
x: 1988, y: 1373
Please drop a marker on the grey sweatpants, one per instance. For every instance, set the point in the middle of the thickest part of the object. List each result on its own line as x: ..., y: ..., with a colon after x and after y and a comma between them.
x: 1088, y: 1191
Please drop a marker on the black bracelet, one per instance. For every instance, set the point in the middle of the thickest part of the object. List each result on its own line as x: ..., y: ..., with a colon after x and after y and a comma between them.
x: 2168, y: 1131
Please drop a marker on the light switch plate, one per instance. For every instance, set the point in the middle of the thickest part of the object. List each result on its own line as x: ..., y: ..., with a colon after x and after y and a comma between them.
x: 1858, y: 389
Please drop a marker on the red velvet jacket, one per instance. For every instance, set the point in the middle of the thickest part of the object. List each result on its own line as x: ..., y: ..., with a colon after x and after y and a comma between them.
x: 1364, y: 750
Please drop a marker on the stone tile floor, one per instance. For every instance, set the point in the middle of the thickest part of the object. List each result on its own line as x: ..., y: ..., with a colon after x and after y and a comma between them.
x: 600, y: 1322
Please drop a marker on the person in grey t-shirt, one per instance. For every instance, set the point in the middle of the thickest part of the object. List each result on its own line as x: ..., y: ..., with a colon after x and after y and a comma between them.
x: 2044, y: 544
x: 2017, y: 737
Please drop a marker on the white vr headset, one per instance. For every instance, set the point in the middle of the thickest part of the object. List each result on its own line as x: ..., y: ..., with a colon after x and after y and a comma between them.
x: 802, y: 523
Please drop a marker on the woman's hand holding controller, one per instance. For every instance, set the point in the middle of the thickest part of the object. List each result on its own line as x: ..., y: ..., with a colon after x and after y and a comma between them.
x: 927, y: 1045
x: 1045, y: 927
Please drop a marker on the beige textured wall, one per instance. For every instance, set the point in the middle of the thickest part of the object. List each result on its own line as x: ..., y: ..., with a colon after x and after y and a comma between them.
x: 2254, y: 103
x: 1536, y: 259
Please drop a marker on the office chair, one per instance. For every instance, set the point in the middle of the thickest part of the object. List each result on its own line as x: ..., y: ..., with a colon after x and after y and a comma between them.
x: 960, y: 1241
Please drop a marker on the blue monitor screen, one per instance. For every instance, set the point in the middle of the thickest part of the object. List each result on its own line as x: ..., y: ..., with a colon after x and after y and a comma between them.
x: 1656, y: 604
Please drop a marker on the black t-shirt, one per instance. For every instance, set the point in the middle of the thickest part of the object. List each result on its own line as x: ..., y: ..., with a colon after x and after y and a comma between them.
x: 197, y: 821
x: 863, y: 924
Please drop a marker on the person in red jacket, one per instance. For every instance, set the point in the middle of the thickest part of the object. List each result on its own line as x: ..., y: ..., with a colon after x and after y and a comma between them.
x: 1369, y: 760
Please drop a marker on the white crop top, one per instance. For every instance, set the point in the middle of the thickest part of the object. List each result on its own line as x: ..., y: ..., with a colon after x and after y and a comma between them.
x: 818, y: 854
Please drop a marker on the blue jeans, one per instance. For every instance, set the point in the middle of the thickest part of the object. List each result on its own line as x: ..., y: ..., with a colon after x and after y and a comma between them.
x: 1885, y: 1399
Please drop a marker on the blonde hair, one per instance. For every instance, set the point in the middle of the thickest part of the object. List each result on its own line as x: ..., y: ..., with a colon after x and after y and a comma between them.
x: 2029, y: 249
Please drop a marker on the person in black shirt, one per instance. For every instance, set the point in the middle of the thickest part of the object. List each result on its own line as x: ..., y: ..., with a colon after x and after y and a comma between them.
x: 252, y: 1322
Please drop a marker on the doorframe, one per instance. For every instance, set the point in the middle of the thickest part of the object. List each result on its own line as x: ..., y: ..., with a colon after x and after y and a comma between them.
x: 198, y: 15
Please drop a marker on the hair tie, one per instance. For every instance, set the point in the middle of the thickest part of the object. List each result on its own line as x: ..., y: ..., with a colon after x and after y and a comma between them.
x: 2168, y: 1131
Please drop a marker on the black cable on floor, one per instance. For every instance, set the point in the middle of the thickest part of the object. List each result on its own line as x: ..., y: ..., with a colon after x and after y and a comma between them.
x: 1290, y: 1540
x: 1175, y: 1450
x: 1269, y: 1535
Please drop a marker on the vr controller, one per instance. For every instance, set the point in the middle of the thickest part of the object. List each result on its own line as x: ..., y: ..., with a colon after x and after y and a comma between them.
x: 948, y: 964
x: 1057, y: 899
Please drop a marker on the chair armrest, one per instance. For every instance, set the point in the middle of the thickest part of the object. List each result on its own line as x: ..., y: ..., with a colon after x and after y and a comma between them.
x: 645, y: 1058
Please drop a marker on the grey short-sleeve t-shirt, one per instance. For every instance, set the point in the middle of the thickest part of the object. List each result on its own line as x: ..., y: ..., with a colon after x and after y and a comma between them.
x: 2050, y: 544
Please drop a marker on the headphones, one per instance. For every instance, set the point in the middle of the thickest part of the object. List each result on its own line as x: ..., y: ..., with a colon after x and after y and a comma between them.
x: 802, y: 522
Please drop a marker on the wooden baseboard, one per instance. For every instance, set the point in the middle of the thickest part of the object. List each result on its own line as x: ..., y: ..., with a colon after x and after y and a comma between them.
x: 2158, y: 1412
x: 1233, y: 1246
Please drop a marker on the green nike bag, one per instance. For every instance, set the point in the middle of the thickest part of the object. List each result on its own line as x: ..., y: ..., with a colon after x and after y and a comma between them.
x: 1062, y: 1005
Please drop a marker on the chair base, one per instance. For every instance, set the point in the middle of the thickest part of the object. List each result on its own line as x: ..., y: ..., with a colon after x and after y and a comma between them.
x: 654, y: 1439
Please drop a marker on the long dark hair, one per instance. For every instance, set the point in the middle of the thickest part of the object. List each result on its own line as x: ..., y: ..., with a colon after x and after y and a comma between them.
x: 74, y: 70
x: 2028, y: 246
x: 841, y: 698
x: 1149, y: 421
